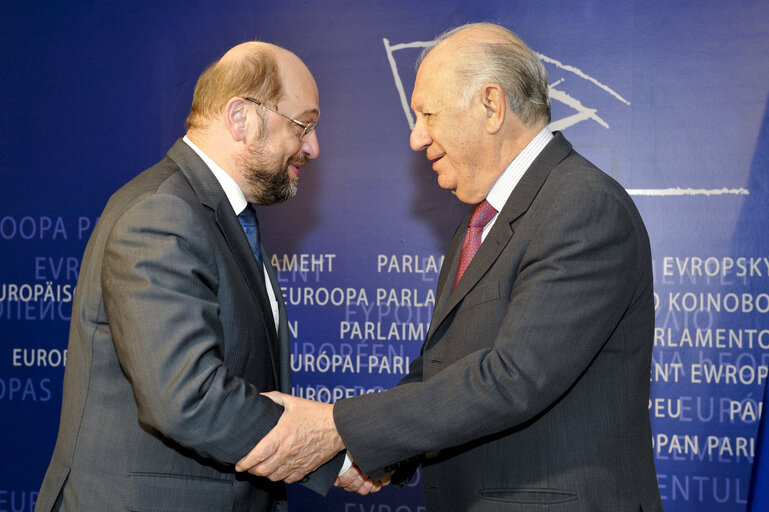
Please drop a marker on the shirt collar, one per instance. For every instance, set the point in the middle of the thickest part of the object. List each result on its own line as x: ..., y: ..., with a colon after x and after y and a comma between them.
x: 505, y: 184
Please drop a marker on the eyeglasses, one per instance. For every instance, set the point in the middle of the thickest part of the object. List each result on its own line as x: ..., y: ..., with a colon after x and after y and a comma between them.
x: 307, y: 128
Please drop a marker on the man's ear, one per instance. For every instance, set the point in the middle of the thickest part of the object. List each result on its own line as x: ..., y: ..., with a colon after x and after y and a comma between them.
x: 494, y: 105
x: 236, y: 120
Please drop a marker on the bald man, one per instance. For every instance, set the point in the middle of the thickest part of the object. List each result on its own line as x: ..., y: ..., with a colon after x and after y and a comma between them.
x: 531, y: 390
x: 178, y: 323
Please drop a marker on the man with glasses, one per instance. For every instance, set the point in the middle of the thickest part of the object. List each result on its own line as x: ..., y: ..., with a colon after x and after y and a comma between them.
x: 306, y: 128
x: 178, y: 322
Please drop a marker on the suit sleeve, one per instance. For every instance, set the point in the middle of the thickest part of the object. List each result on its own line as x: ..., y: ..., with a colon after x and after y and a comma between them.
x: 575, y: 281
x: 159, y: 281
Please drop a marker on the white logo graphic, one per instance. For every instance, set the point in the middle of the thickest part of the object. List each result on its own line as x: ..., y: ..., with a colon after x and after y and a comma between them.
x: 581, y: 113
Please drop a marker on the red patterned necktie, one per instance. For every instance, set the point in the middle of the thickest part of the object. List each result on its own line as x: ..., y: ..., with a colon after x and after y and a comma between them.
x: 481, y: 216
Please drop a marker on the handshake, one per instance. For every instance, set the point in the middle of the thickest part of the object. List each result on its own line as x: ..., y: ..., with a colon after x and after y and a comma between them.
x: 304, y: 438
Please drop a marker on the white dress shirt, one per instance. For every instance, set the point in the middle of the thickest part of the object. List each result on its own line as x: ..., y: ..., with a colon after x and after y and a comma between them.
x: 503, y: 187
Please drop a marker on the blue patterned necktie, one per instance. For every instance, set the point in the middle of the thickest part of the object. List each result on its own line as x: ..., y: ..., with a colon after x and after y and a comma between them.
x: 250, y: 225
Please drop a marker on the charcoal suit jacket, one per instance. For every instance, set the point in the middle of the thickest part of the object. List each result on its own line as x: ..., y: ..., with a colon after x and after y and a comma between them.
x: 172, y: 340
x: 532, y: 387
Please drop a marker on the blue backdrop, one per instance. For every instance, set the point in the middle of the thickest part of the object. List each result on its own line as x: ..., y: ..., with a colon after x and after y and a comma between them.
x: 670, y: 98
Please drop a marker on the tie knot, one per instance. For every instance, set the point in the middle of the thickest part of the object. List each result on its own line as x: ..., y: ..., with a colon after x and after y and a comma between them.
x: 482, y: 214
x: 248, y: 216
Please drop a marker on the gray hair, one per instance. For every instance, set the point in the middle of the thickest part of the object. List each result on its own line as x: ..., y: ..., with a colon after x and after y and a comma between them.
x: 505, y: 59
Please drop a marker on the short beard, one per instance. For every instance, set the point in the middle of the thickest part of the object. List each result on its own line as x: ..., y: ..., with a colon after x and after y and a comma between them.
x: 270, y: 187
x: 267, y: 176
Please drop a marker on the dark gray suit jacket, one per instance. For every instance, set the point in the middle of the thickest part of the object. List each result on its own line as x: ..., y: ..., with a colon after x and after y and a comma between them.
x: 172, y: 340
x: 532, y: 388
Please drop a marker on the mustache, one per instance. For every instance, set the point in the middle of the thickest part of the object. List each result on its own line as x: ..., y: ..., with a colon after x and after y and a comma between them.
x: 299, y: 160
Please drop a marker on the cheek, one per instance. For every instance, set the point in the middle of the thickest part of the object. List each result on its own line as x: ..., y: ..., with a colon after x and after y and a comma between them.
x: 286, y: 144
x: 281, y: 153
x: 293, y: 148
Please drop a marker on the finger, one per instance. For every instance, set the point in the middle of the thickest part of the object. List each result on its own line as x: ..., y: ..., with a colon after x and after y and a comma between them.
x: 295, y: 474
x: 276, y: 475
x: 349, y: 476
x: 294, y: 477
x: 272, y: 467
x: 288, y: 475
x: 365, y: 487
x: 254, y: 457
x: 353, y: 484
x: 276, y: 396
x: 280, y: 467
x: 265, y: 449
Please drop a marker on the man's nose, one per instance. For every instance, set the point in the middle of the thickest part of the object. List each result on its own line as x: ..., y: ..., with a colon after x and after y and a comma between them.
x: 311, y: 146
x: 419, y: 139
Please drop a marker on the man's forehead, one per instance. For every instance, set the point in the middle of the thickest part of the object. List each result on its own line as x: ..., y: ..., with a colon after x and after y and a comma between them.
x: 301, y: 93
x: 301, y: 106
x: 432, y: 78
x: 418, y: 96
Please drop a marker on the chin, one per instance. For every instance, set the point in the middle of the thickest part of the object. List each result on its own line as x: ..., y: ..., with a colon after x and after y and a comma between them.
x: 446, y: 184
x: 464, y: 198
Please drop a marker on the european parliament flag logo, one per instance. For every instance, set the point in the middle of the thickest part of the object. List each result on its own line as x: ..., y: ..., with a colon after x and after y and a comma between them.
x: 758, y: 496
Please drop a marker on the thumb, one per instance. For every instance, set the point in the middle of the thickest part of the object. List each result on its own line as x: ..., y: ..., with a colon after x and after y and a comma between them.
x: 276, y: 396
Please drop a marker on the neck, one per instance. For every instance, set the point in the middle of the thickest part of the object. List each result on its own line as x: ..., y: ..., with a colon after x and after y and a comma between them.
x: 516, y: 141
x: 218, y: 149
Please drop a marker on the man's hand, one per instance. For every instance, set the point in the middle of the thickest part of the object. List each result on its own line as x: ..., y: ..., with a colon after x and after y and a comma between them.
x: 354, y: 480
x: 304, y: 438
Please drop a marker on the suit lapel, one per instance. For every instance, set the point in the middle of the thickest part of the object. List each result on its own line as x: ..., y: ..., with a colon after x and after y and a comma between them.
x: 446, y: 277
x: 500, y: 235
x: 212, y: 196
x: 284, y: 339
x: 236, y: 239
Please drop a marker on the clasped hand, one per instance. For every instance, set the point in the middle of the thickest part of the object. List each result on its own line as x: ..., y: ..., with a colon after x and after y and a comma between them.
x: 304, y: 438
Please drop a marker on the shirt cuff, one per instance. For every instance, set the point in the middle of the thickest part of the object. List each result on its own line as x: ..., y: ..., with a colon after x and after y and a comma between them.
x: 347, y: 464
